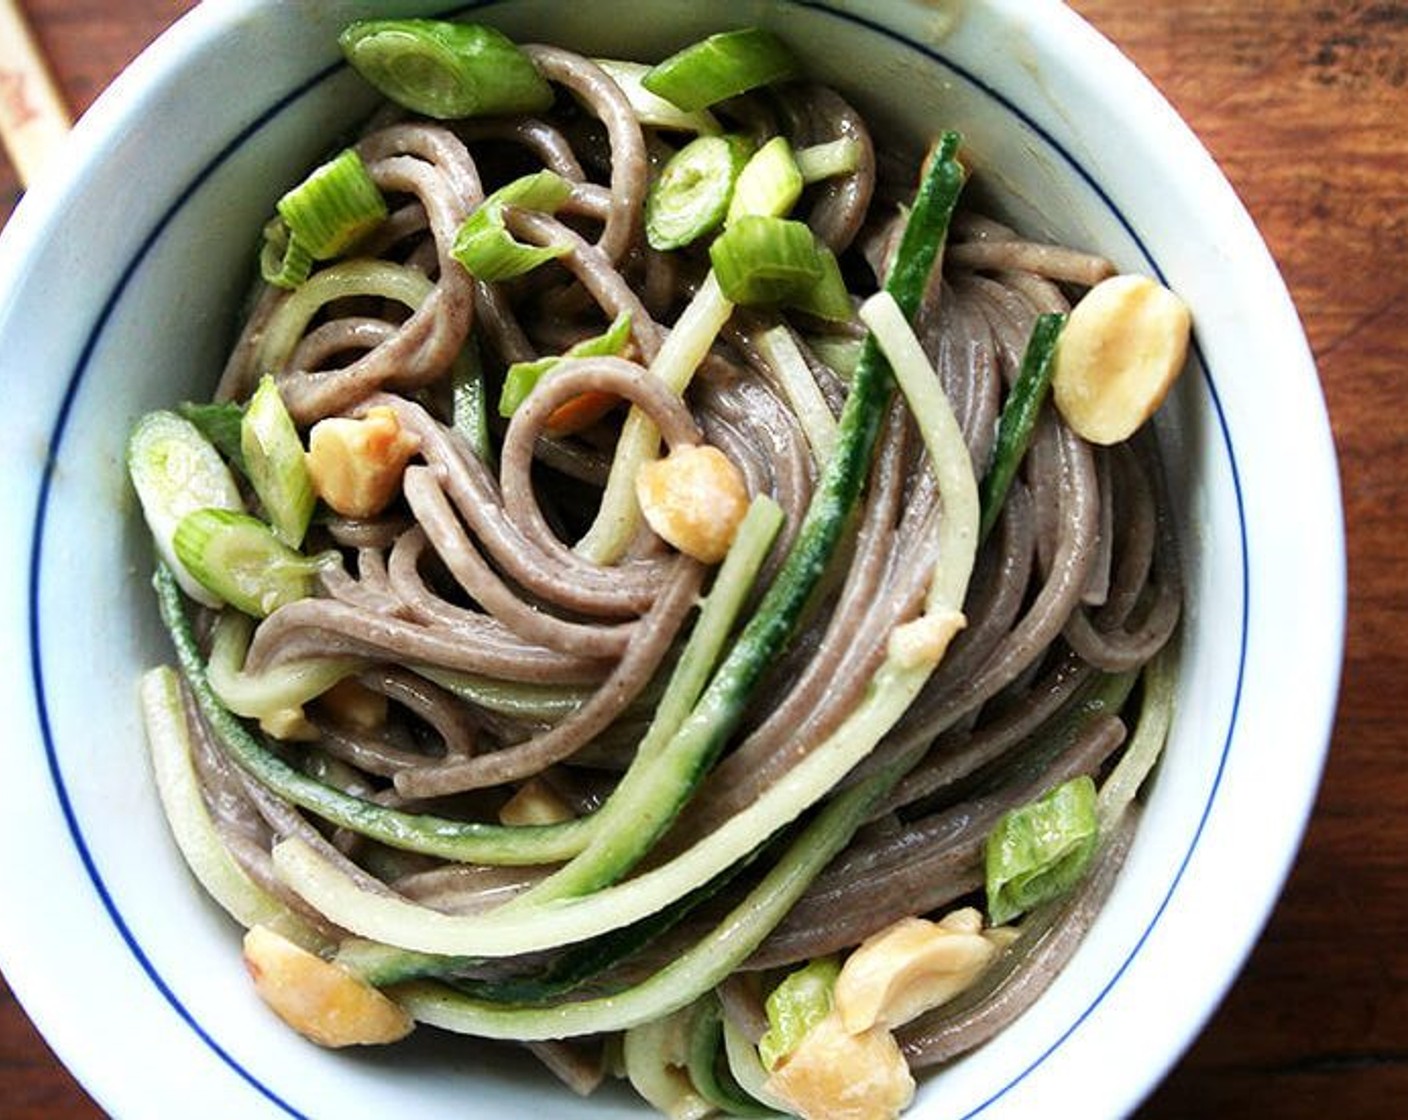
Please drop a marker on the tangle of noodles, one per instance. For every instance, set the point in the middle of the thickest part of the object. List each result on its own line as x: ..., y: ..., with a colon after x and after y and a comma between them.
x: 501, y: 664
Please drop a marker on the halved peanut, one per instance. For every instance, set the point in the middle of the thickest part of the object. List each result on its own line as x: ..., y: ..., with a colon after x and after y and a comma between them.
x: 834, y: 1074
x: 318, y: 999
x: 535, y: 802
x: 909, y: 967
x: 353, y: 704
x: 356, y: 464
x: 694, y: 498
x: 1121, y: 350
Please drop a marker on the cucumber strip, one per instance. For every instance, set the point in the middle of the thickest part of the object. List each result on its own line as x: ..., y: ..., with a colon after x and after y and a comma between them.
x: 521, y: 700
x: 828, y: 160
x: 1019, y: 416
x: 277, y: 689
x: 385, y: 965
x: 176, y: 471
x: 652, y: 1055
x: 781, y: 351
x: 275, y: 464
x: 466, y: 841
x: 346, y: 279
x: 224, y: 880
x: 747, y: 1068
x: 693, y: 191
x: 943, y: 440
x: 693, y: 973
x: 1142, y: 751
x: 708, y: 1066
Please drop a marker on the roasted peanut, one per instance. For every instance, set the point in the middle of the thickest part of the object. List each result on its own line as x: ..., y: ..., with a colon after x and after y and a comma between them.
x: 834, y: 1074
x: 694, y: 498
x: 1120, y: 352
x: 356, y: 464
x: 320, y: 1000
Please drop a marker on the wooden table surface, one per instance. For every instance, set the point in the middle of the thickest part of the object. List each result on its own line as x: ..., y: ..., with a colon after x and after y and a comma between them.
x: 1303, y: 102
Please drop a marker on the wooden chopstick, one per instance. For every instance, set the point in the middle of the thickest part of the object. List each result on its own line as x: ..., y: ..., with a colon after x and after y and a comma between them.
x: 34, y: 118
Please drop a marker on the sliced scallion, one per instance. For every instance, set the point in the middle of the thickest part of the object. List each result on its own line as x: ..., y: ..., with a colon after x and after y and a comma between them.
x: 284, y: 261
x: 175, y: 471
x: 238, y: 559
x: 770, y: 183
x: 484, y: 245
x: 722, y: 66
x: 469, y: 410
x: 827, y: 297
x: 521, y: 377
x: 650, y: 109
x: 445, y: 69
x: 766, y: 260
x: 334, y: 206
x: 1038, y: 851
x: 691, y: 195
x: 275, y: 463
x: 220, y: 422
x: 826, y: 161
x: 796, y: 1005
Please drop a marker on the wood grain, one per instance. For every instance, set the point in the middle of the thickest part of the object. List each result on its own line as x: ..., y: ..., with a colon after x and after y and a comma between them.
x: 1303, y: 102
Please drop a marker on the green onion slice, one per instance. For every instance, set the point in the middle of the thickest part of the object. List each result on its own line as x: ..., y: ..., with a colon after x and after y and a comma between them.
x: 1040, y: 850
x: 238, y: 559
x: 826, y: 161
x: 522, y: 377
x: 484, y: 245
x: 766, y: 260
x: 722, y: 66
x: 275, y: 464
x: 770, y: 183
x: 795, y: 1006
x: 176, y: 471
x: 691, y: 195
x: 444, y: 69
x: 653, y: 111
x: 221, y: 423
x: 284, y: 261
x: 334, y: 206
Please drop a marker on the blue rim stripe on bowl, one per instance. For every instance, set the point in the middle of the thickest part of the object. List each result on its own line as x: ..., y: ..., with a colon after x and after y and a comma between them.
x: 105, y: 314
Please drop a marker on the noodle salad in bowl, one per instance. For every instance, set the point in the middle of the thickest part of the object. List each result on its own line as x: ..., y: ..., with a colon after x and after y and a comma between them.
x: 673, y: 567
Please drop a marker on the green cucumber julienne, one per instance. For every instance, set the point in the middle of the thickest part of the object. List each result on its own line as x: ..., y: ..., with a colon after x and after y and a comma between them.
x: 1019, y: 415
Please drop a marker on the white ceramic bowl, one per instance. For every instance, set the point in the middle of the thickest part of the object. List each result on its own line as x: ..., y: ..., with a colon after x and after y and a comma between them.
x: 117, y: 284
